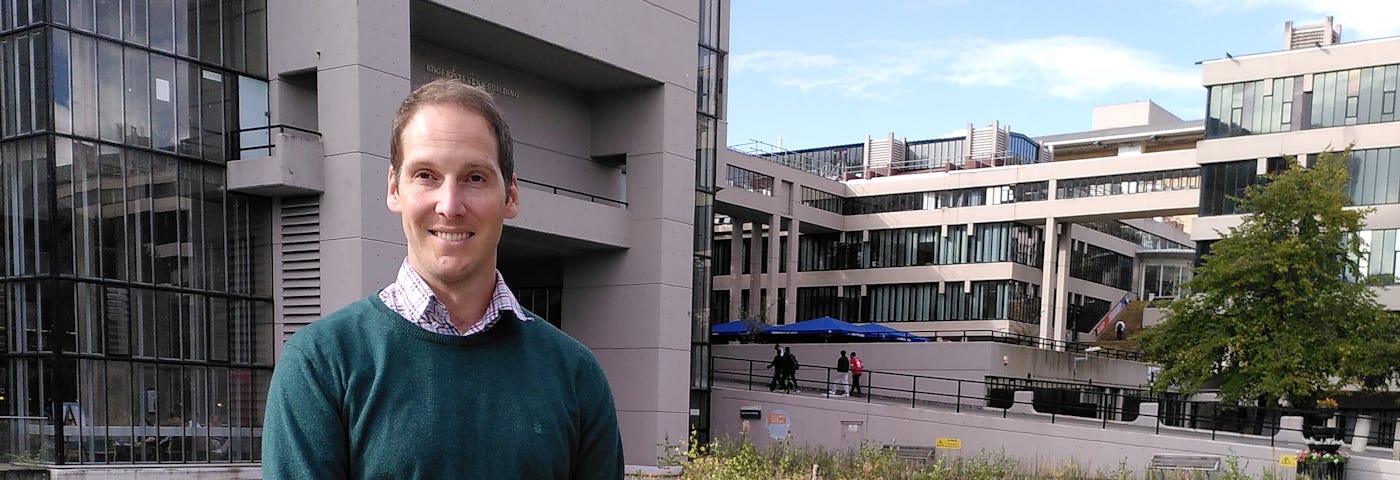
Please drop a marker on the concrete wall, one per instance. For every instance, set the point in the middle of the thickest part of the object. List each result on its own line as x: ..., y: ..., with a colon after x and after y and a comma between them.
x: 972, y: 361
x: 845, y: 423
x: 634, y: 98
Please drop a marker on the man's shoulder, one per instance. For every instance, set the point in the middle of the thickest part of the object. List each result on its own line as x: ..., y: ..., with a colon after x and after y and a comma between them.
x: 541, y: 332
x: 350, y: 321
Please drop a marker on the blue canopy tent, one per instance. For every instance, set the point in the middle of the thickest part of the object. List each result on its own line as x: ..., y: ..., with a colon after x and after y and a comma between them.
x: 826, y: 326
x: 739, y: 327
x: 886, y: 333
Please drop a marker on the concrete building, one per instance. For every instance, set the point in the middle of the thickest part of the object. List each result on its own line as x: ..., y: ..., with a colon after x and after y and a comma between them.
x: 947, y: 235
x: 1318, y: 94
x: 187, y: 183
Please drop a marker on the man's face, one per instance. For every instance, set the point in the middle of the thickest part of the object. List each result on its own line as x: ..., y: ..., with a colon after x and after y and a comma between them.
x: 451, y: 196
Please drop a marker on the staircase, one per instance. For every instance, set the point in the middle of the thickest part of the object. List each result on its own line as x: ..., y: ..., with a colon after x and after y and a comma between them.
x: 1132, y: 321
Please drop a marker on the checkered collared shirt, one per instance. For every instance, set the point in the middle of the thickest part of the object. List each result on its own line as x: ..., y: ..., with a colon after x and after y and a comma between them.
x: 411, y: 297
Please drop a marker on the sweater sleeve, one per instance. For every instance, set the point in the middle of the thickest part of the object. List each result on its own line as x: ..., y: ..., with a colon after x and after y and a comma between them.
x: 304, y: 436
x: 599, y: 454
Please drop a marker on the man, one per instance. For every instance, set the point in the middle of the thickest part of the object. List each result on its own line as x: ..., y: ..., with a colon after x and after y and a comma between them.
x: 843, y: 376
x: 442, y: 374
x: 790, y: 367
x: 857, y: 368
x: 777, y: 366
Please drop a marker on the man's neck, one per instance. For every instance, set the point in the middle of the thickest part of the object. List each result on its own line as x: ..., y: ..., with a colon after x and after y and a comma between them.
x: 466, y: 301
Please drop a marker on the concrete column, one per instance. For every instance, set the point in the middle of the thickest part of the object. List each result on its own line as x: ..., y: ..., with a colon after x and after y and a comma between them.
x: 1061, y: 281
x: 794, y: 236
x: 775, y: 232
x: 1360, y: 433
x: 755, y: 270
x: 1047, y: 279
x: 736, y: 270
x: 360, y: 53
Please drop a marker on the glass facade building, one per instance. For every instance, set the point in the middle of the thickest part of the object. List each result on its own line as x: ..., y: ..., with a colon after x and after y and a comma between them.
x: 136, y: 289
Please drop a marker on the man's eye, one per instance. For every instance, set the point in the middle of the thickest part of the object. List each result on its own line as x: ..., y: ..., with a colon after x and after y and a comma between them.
x: 476, y: 178
x: 423, y: 175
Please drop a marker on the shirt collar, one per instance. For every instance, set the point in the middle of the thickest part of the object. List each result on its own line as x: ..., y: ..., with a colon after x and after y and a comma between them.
x: 412, y: 298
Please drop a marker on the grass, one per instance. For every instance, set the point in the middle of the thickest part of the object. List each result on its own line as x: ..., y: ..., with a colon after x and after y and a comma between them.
x: 742, y: 460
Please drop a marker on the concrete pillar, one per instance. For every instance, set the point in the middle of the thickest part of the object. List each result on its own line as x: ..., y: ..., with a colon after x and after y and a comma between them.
x: 1047, y: 279
x: 755, y: 270
x: 736, y: 270
x: 1290, y: 429
x: 1359, y: 434
x: 775, y: 235
x: 1061, y: 282
x: 794, y: 236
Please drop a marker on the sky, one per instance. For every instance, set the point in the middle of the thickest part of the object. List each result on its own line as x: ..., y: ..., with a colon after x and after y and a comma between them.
x: 814, y: 73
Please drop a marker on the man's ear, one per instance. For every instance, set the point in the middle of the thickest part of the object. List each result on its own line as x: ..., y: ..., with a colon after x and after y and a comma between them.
x: 512, y: 197
x: 391, y: 198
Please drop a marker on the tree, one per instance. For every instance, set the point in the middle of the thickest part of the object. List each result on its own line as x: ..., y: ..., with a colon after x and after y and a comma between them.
x: 1281, y: 307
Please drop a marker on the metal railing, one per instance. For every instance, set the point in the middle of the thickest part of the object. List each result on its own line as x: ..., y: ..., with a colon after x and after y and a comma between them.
x: 254, y: 139
x: 1109, y: 406
x: 598, y: 199
x: 1027, y: 340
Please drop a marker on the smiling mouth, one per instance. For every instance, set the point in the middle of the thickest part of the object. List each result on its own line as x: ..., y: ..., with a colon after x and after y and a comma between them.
x: 453, y: 236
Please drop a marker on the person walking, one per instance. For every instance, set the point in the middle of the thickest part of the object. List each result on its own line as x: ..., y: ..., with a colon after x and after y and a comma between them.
x: 857, y: 368
x: 790, y: 367
x: 843, y: 376
x: 777, y: 366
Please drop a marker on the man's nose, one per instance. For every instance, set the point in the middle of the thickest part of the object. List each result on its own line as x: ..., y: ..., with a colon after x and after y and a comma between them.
x: 451, y: 201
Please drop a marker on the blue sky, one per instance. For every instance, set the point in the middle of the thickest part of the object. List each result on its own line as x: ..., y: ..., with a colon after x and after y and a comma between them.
x: 819, y: 72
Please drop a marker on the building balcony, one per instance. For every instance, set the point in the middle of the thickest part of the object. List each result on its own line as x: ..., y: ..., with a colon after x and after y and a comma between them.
x: 281, y: 161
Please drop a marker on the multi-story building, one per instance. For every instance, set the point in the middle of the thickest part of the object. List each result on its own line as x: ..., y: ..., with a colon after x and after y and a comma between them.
x: 187, y: 183
x: 1317, y: 94
x: 135, y: 281
x: 947, y: 235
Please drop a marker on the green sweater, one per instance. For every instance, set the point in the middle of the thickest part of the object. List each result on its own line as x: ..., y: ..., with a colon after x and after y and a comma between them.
x: 364, y: 393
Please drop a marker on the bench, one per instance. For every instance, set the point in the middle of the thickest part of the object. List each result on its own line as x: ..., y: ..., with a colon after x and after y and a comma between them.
x: 1199, y: 464
x: 912, y: 454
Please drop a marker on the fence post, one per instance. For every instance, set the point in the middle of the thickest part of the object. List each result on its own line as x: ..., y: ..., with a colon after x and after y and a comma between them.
x: 958, y: 408
x: 750, y: 373
x: 914, y: 393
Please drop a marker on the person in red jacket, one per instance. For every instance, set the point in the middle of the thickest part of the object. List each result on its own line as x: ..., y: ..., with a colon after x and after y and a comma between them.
x: 857, y: 368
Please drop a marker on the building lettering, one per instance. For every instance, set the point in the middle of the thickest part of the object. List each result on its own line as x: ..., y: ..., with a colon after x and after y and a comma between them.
x: 470, y: 78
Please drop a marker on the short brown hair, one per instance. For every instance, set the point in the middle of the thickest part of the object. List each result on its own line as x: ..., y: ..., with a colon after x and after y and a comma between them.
x: 449, y: 91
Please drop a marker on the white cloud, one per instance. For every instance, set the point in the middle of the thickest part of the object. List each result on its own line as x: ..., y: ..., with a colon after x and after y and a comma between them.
x: 1063, y: 66
x: 1068, y: 67
x: 771, y: 60
x: 1360, y: 19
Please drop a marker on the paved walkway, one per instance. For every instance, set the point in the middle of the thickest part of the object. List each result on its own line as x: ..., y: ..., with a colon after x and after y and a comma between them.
x: 978, y: 410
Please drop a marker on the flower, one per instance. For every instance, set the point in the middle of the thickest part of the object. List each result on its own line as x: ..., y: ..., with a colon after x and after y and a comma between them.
x: 1312, y: 457
x: 1328, y: 402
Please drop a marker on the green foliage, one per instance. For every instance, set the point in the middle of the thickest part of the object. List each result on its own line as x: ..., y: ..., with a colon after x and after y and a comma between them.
x: 1277, y: 310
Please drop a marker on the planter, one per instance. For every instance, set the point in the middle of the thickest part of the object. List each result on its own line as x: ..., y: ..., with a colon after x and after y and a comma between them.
x: 1320, y: 432
x: 1322, y: 471
x: 1324, y: 447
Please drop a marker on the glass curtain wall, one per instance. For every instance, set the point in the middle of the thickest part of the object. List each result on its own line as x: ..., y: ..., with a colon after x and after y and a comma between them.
x: 709, y: 105
x: 927, y: 302
x: 135, y: 288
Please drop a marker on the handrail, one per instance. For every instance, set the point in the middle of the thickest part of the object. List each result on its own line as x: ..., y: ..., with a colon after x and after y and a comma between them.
x: 270, y: 145
x: 979, y: 335
x: 573, y: 193
x: 1173, y: 414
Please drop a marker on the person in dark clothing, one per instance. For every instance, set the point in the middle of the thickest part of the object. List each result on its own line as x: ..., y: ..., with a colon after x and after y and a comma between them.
x: 843, y: 376
x: 790, y: 367
x: 777, y: 366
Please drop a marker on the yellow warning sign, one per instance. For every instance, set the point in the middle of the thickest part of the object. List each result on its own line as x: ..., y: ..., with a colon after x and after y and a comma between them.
x: 948, y: 444
x: 1290, y: 461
